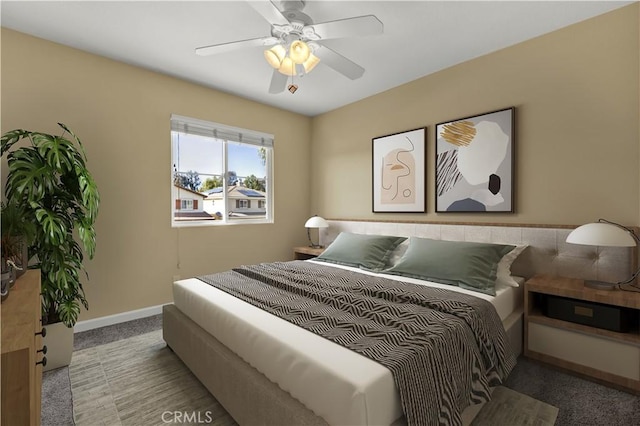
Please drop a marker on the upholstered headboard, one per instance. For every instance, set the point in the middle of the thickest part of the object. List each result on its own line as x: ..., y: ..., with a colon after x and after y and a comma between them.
x: 548, y: 253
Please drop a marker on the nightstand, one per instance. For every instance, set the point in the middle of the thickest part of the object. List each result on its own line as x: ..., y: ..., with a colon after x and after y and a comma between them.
x: 305, y: 252
x: 610, y: 357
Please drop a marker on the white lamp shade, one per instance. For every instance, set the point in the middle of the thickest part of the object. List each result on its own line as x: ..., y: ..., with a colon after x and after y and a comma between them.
x: 275, y: 55
x: 601, y: 234
x: 316, y: 222
x: 311, y: 62
x: 288, y: 67
x: 299, y: 51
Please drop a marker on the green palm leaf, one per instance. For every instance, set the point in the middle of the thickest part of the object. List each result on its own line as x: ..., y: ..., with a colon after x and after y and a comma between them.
x: 55, y: 150
x: 90, y: 196
x: 68, y: 311
x: 88, y: 237
x: 75, y: 138
x: 29, y: 176
x: 10, y: 138
x: 53, y: 226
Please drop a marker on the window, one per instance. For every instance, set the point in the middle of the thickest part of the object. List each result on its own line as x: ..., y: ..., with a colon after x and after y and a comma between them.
x: 218, y: 174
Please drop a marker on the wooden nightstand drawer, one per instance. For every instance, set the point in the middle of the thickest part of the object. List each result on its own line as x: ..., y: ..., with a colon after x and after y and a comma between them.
x: 586, y: 350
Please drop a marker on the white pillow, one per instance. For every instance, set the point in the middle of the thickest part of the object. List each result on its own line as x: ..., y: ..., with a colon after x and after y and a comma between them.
x: 503, y: 274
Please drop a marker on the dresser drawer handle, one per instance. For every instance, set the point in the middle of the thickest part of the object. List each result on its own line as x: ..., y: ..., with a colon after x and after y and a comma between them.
x: 43, y: 332
x: 43, y: 362
x: 43, y: 350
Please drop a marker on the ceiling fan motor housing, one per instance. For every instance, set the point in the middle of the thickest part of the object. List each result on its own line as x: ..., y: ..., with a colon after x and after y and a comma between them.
x: 292, y: 4
x: 293, y: 12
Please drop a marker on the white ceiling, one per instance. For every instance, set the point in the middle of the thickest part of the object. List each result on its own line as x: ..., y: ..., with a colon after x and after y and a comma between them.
x: 420, y: 37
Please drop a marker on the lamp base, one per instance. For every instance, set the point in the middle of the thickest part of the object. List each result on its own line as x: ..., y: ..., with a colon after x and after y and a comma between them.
x: 600, y: 285
x: 311, y: 243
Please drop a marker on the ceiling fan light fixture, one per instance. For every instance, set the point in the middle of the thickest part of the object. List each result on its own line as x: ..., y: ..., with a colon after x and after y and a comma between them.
x: 275, y: 56
x: 295, y: 38
x: 299, y: 51
x: 310, y: 63
x: 288, y: 67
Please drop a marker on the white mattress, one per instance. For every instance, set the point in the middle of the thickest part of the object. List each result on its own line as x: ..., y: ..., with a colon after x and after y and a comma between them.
x: 337, y: 384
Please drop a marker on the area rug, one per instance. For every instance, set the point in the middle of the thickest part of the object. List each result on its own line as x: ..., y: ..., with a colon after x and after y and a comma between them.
x: 510, y: 408
x: 139, y: 381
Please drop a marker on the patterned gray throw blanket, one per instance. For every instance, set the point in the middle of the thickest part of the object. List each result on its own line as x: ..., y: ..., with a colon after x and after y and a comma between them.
x: 444, y: 348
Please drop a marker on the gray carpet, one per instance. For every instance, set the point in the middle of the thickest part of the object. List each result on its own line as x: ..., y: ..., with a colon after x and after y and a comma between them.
x: 581, y: 402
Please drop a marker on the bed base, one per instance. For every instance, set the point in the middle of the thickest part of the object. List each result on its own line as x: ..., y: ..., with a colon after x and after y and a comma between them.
x: 247, y: 395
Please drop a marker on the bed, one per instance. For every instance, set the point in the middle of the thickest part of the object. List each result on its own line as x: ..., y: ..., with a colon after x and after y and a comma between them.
x: 279, y: 373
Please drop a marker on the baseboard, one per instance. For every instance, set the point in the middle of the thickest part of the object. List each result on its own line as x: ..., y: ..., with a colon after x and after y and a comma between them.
x: 116, y: 318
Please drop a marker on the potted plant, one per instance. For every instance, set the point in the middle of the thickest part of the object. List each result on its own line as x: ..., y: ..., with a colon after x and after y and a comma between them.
x: 16, y: 234
x: 49, y: 181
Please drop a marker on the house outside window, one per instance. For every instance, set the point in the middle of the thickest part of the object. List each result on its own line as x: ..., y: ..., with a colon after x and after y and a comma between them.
x: 221, y: 175
x: 188, y: 205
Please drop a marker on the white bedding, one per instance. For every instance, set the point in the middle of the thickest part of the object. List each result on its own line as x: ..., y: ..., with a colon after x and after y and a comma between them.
x: 337, y: 384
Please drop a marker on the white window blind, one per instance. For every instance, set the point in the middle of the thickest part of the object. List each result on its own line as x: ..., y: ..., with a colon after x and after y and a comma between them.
x: 194, y: 126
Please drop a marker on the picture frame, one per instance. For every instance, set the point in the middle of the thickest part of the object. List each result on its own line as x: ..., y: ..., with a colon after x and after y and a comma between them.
x: 474, y: 163
x: 398, y: 172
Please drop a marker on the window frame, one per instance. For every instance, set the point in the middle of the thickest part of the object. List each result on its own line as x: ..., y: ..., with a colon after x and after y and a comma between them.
x: 186, y: 204
x: 255, y: 137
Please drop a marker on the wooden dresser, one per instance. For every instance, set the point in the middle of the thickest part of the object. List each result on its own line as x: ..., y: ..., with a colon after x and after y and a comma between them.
x: 22, y: 354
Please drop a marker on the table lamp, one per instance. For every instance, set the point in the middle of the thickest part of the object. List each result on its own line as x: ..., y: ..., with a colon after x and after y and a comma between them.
x: 315, y: 222
x: 604, y: 233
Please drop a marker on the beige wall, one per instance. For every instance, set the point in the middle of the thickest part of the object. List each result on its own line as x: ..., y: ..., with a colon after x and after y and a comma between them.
x: 576, y: 93
x: 121, y: 113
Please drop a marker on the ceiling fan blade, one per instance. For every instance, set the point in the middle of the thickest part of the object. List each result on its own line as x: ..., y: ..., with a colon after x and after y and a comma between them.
x: 339, y: 63
x: 235, y: 45
x: 270, y: 12
x: 351, y: 27
x: 278, y: 82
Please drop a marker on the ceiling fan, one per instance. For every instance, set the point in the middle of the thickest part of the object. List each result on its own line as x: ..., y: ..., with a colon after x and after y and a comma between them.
x: 297, y: 43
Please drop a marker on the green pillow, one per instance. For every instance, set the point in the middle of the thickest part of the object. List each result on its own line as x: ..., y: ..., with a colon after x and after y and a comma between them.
x: 469, y: 265
x: 369, y: 252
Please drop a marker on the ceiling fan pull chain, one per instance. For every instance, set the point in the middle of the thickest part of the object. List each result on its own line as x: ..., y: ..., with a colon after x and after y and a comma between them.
x: 292, y: 87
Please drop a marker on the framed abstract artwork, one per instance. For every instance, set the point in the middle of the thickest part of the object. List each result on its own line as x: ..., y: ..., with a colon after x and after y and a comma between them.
x: 475, y: 163
x: 399, y: 177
